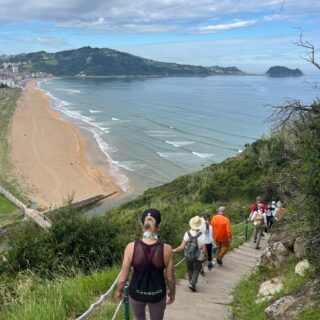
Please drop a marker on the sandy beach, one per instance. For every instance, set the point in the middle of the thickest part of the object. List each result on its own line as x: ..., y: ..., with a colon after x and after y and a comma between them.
x: 49, y: 156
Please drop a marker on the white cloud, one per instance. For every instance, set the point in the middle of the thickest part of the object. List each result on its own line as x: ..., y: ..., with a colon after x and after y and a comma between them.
x: 52, y: 42
x: 226, y: 26
x: 145, y: 13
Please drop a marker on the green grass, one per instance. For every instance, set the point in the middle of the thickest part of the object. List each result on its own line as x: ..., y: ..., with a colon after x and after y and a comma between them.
x: 9, y: 213
x: 311, y: 313
x: 8, y: 101
x: 244, y: 306
x: 63, y: 298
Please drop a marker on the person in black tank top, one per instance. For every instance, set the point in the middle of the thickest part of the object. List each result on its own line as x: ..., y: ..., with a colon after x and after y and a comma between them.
x: 153, y: 271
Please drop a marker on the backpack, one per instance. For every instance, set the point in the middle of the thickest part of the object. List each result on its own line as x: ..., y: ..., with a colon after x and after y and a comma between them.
x: 150, y: 285
x: 258, y: 220
x: 192, y: 251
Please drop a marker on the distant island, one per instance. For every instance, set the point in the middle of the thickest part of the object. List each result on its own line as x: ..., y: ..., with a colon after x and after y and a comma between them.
x: 89, y: 61
x: 279, y: 71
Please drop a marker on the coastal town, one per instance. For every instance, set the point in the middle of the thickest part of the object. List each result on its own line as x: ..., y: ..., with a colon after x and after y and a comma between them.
x: 15, y: 74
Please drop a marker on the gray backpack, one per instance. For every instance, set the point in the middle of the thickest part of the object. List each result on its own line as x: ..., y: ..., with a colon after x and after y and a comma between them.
x: 192, y: 251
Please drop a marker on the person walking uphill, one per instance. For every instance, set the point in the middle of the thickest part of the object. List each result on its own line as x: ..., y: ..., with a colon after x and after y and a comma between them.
x: 195, y: 250
x: 222, y: 234
x: 153, y: 270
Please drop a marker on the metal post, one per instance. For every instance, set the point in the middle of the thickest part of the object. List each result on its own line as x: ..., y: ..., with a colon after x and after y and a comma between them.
x: 126, y: 302
x: 246, y: 231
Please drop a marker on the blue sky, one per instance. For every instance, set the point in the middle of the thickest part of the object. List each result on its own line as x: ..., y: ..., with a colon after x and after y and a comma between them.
x: 250, y: 34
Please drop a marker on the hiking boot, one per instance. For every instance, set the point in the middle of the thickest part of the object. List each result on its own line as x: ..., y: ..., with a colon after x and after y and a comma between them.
x: 258, y: 248
x: 219, y: 261
x: 210, y: 265
x: 202, y: 271
x: 192, y: 288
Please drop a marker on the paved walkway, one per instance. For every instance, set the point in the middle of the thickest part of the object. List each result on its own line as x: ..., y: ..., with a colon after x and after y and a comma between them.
x: 214, y: 290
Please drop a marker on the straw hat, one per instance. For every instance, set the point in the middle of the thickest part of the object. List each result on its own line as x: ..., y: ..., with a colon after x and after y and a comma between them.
x: 196, y: 223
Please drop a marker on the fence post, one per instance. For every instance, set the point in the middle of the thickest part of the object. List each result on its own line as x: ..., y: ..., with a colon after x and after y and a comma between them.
x: 246, y: 231
x: 126, y: 302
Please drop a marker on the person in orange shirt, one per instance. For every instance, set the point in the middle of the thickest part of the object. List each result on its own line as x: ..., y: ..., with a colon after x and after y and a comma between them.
x: 222, y: 233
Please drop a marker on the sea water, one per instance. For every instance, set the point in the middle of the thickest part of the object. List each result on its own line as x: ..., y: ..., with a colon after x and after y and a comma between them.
x: 151, y: 130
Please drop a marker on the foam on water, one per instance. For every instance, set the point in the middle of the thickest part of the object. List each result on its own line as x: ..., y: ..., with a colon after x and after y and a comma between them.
x: 121, y: 179
x: 203, y: 155
x: 95, y: 111
x: 179, y: 144
x: 69, y: 91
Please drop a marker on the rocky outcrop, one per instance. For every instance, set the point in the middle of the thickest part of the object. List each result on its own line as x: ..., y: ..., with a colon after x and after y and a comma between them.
x: 302, y: 267
x: 282, y: 247
x: 276, y: 254
x: 299, y: 248
x: 289, y: 306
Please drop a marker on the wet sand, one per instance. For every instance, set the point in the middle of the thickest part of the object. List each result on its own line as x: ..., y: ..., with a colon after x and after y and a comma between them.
x: 49, y: 155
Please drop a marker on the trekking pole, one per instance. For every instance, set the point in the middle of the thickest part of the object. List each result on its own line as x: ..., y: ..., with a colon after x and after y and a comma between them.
x: 246, y: 230
x: 126, y: 302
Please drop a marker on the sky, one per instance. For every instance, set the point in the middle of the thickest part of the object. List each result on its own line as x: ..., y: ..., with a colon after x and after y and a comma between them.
x: 250, y: 34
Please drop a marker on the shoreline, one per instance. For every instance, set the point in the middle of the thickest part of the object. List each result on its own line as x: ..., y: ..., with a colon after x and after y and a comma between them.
x: 50, y: 157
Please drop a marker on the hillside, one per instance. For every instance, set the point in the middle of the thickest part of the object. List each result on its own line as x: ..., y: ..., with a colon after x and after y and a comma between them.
x: 279, y: 71
x: 107, y: 62
x: 77, y: 250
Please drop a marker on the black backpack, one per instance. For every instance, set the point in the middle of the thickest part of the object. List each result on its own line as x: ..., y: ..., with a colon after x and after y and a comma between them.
x: 149, y: 285
x: 192, y: 250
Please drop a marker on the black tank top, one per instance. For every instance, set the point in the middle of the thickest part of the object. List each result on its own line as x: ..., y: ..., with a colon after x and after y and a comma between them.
x: 148, y: 283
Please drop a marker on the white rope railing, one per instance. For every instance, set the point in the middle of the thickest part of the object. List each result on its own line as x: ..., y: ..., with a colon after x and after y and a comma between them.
x: 238, y: 224
x: 179, y: 262
x: 117, y: 310
x: 102, y: 297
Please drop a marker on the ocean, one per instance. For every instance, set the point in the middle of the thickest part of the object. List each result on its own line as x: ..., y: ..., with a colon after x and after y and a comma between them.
x: 151, y: 130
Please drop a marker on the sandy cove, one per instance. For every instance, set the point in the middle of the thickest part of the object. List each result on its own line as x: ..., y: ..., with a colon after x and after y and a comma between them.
x: 49, y: 156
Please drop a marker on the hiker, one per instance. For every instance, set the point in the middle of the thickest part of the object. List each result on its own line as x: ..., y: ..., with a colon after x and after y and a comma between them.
x: 259, y: 221
x: 208, y: 232
x: 254, y: 207
x: 269, y: 215
x: 222, y: 234
x: 278, y: 212
x: 153, y: 270
x: 195, y: 250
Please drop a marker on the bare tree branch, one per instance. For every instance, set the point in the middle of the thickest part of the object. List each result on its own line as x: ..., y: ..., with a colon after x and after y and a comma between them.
x: 291, y: 110
x: 310, y: 56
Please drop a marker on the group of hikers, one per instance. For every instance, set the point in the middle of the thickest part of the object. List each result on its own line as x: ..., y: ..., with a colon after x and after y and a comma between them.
x: 153, y: 281
x: 263, y: 216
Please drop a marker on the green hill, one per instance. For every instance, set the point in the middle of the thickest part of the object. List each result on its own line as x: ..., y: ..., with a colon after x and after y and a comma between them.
x: 107, y: 62
x: 279, y: 71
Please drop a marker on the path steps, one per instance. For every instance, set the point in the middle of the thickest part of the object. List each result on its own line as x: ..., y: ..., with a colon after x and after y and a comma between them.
x: 215, y: 289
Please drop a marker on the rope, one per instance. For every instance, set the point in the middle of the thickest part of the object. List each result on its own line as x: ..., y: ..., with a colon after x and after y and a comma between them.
x: 117, y: 310
x: 179, y: 262
x: 102, y: 297
x: 235, y: 225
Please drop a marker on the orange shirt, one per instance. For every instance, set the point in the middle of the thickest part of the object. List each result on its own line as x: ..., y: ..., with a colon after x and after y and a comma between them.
x: 221, y: 228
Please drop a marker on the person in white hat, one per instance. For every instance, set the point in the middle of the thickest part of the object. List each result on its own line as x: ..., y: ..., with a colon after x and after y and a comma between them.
x: 195, y: 250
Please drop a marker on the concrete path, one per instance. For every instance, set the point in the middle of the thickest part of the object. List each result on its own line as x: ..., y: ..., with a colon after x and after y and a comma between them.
x: 215, y: 289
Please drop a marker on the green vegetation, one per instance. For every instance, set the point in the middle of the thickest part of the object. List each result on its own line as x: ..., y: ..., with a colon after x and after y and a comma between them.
x: 311, y: 313
x: 30, y: 297
x: 107, y: 62
x: 8, y: 102
x: 244, y: 304
x: 9, y: 213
